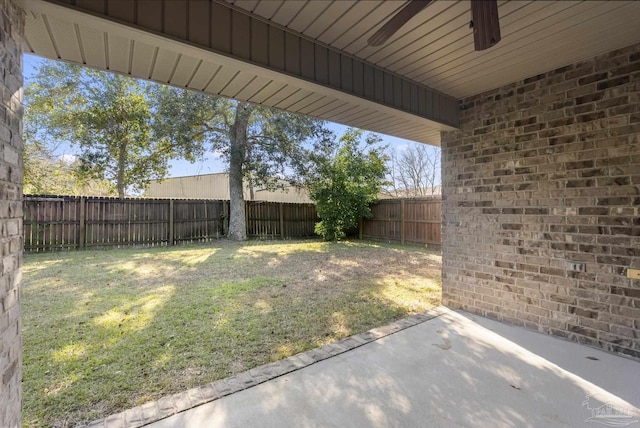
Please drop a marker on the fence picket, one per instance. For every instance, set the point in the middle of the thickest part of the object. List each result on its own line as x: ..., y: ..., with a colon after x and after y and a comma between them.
x: 415, y: 221
x: 69, y: 222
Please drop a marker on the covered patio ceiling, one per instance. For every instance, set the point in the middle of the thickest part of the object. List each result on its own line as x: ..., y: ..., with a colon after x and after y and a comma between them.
x: 408, y: 87
x: 435, y: 48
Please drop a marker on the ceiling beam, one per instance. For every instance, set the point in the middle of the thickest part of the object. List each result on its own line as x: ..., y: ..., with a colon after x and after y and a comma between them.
x: 223, y: 29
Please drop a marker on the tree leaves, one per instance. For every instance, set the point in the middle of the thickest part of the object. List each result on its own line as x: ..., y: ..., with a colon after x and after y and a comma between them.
x: 264, y: 147
x: 108, y: 117
x: 344, y: 181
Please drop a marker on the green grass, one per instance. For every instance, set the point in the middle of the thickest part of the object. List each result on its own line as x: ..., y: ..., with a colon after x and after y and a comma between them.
x: 108, y: 330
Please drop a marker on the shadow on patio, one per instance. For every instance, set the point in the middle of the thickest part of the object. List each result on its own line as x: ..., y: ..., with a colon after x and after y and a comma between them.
x: 453, y: 370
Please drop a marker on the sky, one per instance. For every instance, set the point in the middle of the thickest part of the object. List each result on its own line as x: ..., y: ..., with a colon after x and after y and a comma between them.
x: 210, y: 164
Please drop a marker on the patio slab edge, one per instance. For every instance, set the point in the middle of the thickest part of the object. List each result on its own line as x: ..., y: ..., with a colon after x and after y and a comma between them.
x: 176, y: 403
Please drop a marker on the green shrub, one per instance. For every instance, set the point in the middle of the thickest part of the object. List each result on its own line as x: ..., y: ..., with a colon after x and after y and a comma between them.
x: 345, y: 182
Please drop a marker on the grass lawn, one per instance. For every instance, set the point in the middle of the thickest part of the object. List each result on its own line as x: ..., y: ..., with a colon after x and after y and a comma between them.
x: 108, y: 330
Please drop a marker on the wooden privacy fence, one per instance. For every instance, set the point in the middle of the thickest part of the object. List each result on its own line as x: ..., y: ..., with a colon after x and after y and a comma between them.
x: 415, y: 221
x: 68, y: 222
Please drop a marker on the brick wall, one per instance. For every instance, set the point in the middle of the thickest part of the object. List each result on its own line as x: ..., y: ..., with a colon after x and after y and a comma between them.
x: 544, y: 171
x: 11, y: 31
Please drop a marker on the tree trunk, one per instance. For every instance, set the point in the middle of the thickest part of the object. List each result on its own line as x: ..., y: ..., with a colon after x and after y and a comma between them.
x: 122, y: 163
x: 238, y: 142
x: 250, y: 179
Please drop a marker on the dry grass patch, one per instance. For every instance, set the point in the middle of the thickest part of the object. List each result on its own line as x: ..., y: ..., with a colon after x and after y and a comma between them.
x: 109, y: 330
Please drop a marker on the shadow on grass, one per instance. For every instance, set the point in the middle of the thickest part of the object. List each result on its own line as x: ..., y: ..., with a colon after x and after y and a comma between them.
x: 105, y: 331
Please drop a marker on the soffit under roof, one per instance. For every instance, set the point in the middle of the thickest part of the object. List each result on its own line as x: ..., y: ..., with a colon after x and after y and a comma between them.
x: 434, y: 49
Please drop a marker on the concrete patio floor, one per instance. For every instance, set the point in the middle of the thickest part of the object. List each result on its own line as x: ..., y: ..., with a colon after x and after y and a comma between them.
x: 456, y: 369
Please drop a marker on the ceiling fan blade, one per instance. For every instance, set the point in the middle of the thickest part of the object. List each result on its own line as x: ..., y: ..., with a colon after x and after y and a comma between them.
x: 486, y: 23
x: 398, y: 20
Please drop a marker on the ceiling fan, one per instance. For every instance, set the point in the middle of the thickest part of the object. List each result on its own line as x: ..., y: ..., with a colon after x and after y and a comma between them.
x: 484, y: 21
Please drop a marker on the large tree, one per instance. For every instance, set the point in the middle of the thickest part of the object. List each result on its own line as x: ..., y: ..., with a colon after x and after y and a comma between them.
x: 263, y: 146
x: 344, y: 182
x: 414, y: 171
x: 46, y: 173
x: 107, y: 116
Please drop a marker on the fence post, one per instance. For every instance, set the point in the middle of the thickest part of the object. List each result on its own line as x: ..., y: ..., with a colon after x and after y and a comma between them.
x: 401, y: 221
x: 246, y: 217
x: 206, y: 221
x: 171, y: 237
x: 225, y: 217
x: 360, y: 227
x: 82, y: 238
x: 282, y: 221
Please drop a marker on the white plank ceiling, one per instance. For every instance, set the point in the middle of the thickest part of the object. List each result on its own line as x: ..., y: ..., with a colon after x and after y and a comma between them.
x: 435, y: 48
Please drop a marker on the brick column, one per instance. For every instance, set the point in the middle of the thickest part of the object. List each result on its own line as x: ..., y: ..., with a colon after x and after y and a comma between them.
x: 545, y: 172
x: 11, y: 32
